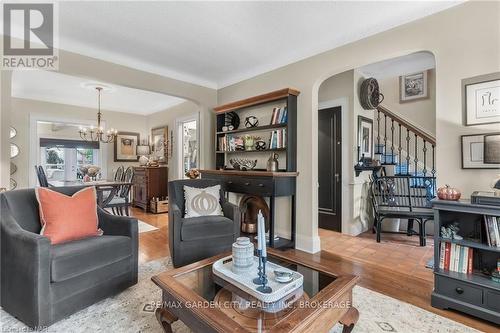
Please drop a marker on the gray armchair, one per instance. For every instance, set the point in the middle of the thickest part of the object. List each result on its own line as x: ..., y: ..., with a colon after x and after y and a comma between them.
x: 196, y: 238
x: 43, y: 283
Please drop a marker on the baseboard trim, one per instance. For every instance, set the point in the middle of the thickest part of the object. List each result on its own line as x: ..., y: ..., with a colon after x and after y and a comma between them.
x: 309, y: 244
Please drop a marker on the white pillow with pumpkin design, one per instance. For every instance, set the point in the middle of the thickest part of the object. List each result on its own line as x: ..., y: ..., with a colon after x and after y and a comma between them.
x: 202, y: 201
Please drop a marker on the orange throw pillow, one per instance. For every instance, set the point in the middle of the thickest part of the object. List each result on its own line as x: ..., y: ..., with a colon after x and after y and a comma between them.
x: 66, y: 218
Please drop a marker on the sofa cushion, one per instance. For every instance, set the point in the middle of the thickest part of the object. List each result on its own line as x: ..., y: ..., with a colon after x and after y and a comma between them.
x: 202, y: 201
x: 204, y: 227
x: 78, y: 257
x: 65, y: 218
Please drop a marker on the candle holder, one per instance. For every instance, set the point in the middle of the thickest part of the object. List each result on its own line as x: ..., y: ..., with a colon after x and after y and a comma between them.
x: 264, y: 288
x: 258, y: 279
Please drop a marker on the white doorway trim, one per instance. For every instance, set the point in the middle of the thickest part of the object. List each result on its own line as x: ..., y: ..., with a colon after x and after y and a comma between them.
x: 34, y: 140
x: 178, y: 137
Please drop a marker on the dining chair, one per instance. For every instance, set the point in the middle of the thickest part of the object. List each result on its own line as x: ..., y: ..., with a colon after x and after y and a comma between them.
x: 121, y: 201
x: 119, y: 174
x: 42, y: 177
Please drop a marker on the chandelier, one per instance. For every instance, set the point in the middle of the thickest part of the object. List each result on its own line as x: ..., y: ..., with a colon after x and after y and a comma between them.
x: 97, y: 134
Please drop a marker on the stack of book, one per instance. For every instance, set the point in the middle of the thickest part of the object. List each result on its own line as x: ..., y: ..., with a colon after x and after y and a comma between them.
x: 455, y: 258
x: 280, y: 115
x: 277, y: 139
x: 492, y: 227
x: 229, y: 143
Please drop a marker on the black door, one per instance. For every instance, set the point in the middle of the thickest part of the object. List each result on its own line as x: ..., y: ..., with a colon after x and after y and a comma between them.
x: 329, y: 168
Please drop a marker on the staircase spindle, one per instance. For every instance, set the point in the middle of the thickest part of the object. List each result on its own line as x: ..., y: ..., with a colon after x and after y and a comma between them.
x: 407, y: 150
x: 385, y: 136
x: 392, y: 141
x: 399, y: 149
x: 378, y: 131
x: 416, y: 154
x: 424, y: 171
x: 433, y: 171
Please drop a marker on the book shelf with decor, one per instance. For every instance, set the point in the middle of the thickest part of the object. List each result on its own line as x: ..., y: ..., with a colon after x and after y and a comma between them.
x: 256, y: 156
x: 467, y: 260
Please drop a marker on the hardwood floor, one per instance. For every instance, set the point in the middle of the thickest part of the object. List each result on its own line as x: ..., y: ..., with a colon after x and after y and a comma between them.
x: 380, y: 265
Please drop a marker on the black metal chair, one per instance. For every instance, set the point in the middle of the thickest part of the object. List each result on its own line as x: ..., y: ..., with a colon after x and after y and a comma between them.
x: 122, y: 200
x: 42, y: 177
x: 404, y: 197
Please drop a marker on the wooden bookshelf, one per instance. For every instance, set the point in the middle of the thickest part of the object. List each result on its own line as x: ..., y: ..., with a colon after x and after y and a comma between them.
x: 287, y: 97
x: 474, y: 293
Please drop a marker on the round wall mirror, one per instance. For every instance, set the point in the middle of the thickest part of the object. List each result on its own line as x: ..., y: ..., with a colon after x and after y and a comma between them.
x: 13, y: 132
x: 14, y: 150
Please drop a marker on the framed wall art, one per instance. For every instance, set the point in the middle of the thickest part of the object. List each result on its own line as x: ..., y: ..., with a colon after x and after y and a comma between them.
x: 365, y: 137
x: 473, y: 151
x: 413, y: 87
x: 481, y: 99
x: 126, y: 147
x: 159, y: 141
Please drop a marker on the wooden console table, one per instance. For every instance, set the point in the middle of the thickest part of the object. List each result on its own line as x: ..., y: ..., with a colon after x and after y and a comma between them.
x: 264, y: 184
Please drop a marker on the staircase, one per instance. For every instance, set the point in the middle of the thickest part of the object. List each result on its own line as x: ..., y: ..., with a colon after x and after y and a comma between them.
x: 402, y: 148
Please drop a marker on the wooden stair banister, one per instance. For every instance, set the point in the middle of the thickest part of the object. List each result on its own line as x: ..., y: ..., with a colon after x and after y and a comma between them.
x: 422, y: 134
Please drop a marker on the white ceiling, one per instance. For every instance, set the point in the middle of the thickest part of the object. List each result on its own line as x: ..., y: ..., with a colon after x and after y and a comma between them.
x: 408, y: 64
x: 215, y: 44
x: 65, y: 89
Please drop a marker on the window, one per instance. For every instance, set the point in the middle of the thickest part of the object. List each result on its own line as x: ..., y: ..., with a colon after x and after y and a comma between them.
x: 188, y: 132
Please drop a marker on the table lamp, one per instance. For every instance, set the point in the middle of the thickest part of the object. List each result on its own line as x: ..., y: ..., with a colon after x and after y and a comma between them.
x: 143, y: 152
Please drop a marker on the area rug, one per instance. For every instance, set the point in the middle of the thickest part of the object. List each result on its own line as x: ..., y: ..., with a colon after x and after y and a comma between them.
x: 145, y: 227
x: 132, y: 311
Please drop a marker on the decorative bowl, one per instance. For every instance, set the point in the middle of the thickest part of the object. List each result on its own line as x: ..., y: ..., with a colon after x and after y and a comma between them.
x: 243, y: 164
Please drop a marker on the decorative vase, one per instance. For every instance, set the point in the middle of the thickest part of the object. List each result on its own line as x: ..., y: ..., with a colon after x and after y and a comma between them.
x: 249, y: 142
x: 272, y: 163
x: 242, y: 255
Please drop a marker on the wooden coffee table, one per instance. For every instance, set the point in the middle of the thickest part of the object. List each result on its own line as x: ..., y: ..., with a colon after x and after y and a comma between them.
x: 203, y: 302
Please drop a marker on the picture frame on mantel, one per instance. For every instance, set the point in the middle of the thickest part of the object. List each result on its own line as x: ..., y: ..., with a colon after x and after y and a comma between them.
x: 473, y: 151
x: 125, y: 147
x: 481, y: 99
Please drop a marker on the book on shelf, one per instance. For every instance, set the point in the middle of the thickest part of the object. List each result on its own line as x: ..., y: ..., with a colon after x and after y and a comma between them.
x: 492, y: 228
x: 455, y: 258
x: 279, y: 116
x: 277, y: 139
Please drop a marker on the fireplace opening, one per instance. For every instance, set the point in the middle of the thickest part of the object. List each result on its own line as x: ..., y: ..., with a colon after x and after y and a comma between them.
x: 249, y: 207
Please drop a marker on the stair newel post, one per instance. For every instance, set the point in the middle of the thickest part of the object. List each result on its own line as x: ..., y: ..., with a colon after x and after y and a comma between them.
x: 378, y: 131
x: 399, y: 149
x: 416, y: 154
x: 424, y: 171
x: 408, y: 151
x: 392, y: 141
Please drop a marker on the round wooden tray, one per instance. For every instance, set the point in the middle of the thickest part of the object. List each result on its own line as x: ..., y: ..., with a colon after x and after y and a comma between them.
x: 253, y: 319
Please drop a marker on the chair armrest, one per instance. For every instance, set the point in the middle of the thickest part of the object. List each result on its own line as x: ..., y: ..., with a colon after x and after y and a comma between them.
x: 117, y: 225
x: 175, y: 221
x: 232, y: 212
x: 25, y: 267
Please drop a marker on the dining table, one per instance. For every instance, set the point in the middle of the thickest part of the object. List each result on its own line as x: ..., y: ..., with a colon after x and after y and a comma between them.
x: 106, y: 189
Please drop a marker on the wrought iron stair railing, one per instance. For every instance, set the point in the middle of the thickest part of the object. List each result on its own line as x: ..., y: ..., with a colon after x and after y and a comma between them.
x: 400, y: 143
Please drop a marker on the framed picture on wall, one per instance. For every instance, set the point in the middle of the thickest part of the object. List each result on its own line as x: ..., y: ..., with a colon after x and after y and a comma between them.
x: 126, y: 147
x: 365, y: 137
x: 474, y: 152
x: 481, y: 99
x: 413, y: 87
x: 159, y: 141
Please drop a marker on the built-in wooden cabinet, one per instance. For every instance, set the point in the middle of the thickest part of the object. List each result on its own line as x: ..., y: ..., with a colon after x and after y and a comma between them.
x: 149, y: 182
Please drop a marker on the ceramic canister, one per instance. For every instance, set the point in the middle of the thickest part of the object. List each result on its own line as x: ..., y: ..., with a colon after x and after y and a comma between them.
x: 242, y: 255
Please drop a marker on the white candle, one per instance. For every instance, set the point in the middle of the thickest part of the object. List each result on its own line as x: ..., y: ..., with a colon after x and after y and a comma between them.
x: 262, y: 225
x: 259, y: 231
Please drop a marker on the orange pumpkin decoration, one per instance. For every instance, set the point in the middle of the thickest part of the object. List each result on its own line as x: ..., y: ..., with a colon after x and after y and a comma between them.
x: 448, y: 193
